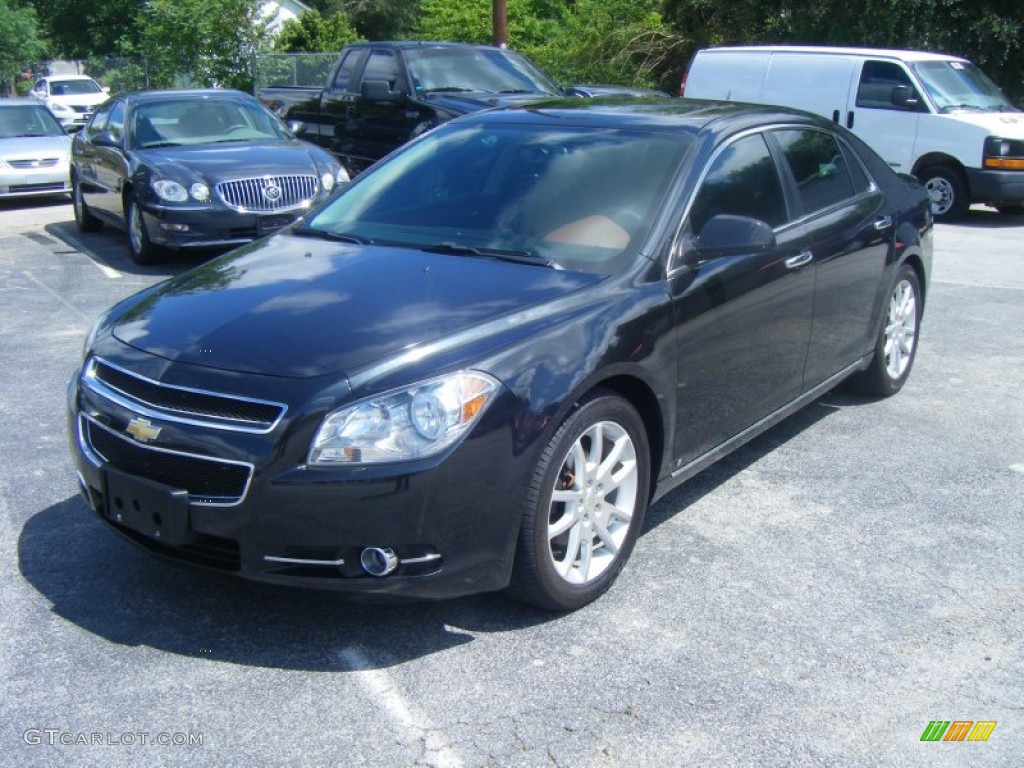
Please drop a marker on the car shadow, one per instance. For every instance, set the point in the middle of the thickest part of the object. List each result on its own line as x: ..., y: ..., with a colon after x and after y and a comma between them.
x: 108, y: 587
x: 989, y: 218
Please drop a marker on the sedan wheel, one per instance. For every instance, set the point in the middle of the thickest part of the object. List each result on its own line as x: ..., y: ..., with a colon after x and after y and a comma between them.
x: 584, y: 507
x: 142, y: 249
x: 897, y: 341
x: 84, y: 219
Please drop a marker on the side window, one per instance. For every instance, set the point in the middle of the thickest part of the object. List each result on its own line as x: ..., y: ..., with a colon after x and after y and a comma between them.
x: 348, y: 66
x: 877, y: 79
x: 41, y: 87
x: 742, y: 181
x: 382, y: 65
x: 115, y: 123
x: 861, y: 181
x: 818, y: 167
x: 99, y: 120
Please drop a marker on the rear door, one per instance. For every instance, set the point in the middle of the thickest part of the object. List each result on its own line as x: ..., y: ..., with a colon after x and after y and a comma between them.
x: 743, y: 320
x: 850, y: 233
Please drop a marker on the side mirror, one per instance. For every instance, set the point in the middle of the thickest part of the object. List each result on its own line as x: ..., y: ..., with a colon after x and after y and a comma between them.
x: 726, y: 234
x: 904, y: 96
x: 379, y: 90
x: 106, y: 139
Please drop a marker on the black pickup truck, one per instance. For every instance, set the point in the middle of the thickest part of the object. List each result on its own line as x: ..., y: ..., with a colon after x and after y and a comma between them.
x: 380, y: 95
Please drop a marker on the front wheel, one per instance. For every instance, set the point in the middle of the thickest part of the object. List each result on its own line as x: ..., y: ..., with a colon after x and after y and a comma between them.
x: 584, y: 506
x: 948, y: 192
x: 896, y: 345
x: 143, y: 250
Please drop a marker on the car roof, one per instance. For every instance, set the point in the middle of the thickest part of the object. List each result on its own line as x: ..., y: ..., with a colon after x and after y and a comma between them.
x: 887, y: 53
x: 51, y: 78
x: 659, y: 113
x: 21, y: 102
x: 190, y: 94
x: 412, y: 44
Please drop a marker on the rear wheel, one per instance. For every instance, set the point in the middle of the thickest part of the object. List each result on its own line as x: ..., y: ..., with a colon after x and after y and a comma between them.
x: 143, y: 251
x: 585, y: 506
x: 84, y: 219
x: 948, y: 192
x: 896, y: 345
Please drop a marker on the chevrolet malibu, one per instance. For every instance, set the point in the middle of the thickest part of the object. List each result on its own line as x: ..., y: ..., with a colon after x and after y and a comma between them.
x: 475, y: 367
x: 193, y: 169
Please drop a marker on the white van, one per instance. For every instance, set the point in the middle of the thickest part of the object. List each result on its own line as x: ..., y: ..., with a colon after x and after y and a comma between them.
x: 937, y: 117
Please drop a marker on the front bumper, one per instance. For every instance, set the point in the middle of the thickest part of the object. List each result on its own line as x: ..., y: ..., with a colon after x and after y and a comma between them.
x: 210, y: 225
x: 18, y: 182
x: 451, y: 522
x: 996, y: 187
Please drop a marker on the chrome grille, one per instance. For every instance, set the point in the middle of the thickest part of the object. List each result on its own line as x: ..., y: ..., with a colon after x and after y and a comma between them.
x: 181, y: 404
x: 269, y: 193
x: 46, y: 162
x: 209, y: 482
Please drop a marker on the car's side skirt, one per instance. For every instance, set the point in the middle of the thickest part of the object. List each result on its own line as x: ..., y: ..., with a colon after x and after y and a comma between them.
x: 707, y: 459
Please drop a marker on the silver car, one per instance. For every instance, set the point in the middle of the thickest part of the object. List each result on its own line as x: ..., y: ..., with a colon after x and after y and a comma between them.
x: 34, y: 150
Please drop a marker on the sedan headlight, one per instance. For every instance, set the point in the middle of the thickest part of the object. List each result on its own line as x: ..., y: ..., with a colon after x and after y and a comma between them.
x: 61, y: 109
x: 171, y: 191
x: 411, y: 423
x: 328, y: 181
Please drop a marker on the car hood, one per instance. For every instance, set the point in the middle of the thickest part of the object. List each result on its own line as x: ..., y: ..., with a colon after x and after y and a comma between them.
x: 30, y: 147
x: 234, y: 160
x: 464, y: 103
x: 1007, y: 125
x: 79, y: 99
x: 298, y: 307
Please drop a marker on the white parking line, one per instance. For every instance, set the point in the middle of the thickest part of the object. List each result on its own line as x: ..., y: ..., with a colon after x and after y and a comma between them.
x: 379, y: 686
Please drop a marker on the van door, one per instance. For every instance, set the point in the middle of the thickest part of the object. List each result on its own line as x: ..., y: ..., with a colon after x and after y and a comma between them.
x: 885, y: 110
x: 815, y: 82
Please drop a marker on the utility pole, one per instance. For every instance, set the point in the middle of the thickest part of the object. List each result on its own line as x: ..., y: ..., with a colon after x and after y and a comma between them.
x: 500, y: 29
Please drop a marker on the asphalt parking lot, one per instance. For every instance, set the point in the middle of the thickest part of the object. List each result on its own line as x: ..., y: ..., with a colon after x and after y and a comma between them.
x: 817, y: 598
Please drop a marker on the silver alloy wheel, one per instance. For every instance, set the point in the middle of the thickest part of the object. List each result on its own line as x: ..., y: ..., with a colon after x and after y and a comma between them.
x: 941, y: 193
x: 592, y: 503
x: 900, y: 329
x: 135, y: 233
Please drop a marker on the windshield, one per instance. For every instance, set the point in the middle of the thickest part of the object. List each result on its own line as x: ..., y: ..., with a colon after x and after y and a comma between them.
x: 27, y: 120
x: 475, y: 69
x: 956, y: 85
x: 574, y: 198
x: 202, y: 121
x: 73, y: 87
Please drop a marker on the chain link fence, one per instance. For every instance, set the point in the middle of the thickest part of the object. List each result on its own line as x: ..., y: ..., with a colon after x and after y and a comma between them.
x: 308, y: 69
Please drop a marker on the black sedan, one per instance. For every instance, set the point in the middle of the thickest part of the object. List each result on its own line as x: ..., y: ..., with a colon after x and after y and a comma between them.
x: 186, y: 169
x: 477, y: 365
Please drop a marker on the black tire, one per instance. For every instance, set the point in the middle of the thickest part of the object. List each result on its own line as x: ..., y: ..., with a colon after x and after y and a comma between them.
x: 84, y: 219
x: 611, y: 518
x: 948, y: 192
x: 896, y: 346
x: 142, y: 249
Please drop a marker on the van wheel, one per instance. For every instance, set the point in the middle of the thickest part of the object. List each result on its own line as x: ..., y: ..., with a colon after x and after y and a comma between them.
x: 948, y: 192
x: 584, y: 506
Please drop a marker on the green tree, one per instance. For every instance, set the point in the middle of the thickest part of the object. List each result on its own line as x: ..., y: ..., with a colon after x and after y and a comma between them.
x: 531, y: 23
x: 20, y: 42
x: 78, y: 29
x: 384, y: 19
x: 204, y: 42
x: 314, y: 33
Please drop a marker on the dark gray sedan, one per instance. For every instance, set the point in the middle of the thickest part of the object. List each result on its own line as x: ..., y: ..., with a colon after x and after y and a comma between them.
x: 185, y: 169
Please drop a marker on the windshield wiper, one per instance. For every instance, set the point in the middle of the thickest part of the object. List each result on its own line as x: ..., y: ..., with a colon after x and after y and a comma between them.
x: 519, y: 257
x: 966, y: 106
x: 326, y: 234
x: 451, y: 89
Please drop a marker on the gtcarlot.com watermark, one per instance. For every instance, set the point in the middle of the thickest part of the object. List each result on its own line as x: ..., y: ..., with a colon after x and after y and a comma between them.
x: 59, y: 737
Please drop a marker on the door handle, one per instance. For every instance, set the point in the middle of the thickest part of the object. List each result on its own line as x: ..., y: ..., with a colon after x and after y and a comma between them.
x: 801, y: 259
x: 883, y: 223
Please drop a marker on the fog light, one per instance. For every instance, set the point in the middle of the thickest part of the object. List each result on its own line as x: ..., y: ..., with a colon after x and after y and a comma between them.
x: 170, y: 226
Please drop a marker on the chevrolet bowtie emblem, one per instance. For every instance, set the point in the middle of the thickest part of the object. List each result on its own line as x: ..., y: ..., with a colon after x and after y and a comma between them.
x: 142, y: 430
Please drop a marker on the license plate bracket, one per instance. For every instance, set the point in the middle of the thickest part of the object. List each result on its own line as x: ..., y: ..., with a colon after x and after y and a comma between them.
x: 150, y: 508
x: 267, y: 224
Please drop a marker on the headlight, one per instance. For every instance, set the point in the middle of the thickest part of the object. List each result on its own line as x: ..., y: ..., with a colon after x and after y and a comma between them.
x: 171, y: 191
x: 61, y: 109
x: 328, y: 181
x: 411, y: 423
x: 1004, y: 154
x: 200, y: 192
x: 343, y: 177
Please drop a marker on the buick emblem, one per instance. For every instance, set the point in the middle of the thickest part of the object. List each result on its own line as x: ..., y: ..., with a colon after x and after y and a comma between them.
x: 142, y: 430
x: 272, y: 192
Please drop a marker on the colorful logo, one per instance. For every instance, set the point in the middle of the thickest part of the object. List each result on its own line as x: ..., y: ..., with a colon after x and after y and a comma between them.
x: 958, y: 730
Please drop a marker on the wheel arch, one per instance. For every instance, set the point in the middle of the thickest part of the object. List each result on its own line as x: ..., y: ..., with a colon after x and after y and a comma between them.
x: 932, y: 159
